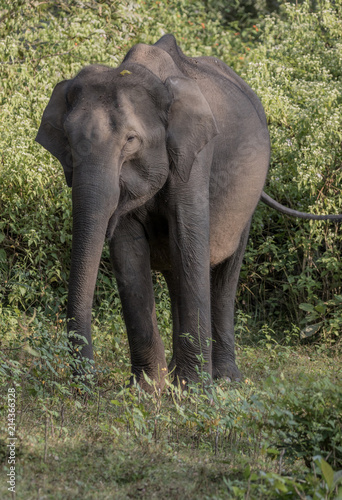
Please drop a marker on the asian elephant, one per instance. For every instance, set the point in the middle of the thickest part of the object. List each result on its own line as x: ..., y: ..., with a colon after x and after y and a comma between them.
x: 167, y: 157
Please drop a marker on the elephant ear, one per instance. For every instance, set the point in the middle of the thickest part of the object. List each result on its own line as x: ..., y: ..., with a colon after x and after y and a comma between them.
x: 51, y: 133
x: 191, y: 124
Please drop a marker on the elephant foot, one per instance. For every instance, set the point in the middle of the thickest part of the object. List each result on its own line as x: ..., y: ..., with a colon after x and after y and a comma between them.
x: 150, y: 381
x: 179, y: 379
x: 185, y: 373
x: 227, y: 371
x: 183, y: 378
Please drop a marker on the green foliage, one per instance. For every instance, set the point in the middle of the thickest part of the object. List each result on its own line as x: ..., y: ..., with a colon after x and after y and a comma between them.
x: 273, y: 439
x: 241, y: 13
x: 305, y: 422
x: 296, y: 71
x: 43, y: 361
x: 292, y: 61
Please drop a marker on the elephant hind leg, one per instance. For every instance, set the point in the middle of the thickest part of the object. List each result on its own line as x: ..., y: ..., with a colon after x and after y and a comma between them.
x: 224, y: 280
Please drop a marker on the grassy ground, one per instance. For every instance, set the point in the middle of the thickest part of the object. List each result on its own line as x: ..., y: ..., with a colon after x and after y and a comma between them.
x: 249, y: 440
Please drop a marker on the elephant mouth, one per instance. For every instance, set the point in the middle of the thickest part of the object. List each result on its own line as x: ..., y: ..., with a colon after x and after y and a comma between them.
x: 125, y: 206
x: 113, y: 222
x: 120, y: 210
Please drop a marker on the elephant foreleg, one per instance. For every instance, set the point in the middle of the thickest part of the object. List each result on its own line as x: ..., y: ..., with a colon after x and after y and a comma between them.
x: 130, y: 256
x: 190, y: 258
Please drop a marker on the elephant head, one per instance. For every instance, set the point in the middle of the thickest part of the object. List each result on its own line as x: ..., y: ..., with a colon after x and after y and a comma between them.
x: 119, y: 134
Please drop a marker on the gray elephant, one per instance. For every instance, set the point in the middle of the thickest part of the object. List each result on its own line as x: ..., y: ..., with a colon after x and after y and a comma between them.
x: 167, y: 156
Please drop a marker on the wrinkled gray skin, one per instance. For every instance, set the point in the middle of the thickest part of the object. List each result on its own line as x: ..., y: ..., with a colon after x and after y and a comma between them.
x: 167, y: 155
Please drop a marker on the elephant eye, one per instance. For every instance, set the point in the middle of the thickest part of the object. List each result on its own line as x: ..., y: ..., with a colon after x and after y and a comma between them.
x: 132, y: 143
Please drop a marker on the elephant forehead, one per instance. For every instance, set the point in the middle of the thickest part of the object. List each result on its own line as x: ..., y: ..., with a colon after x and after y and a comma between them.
x: 100, y: 81
x: 96, y: 83
x: 128, y: 112
x: 106, y: 102
x: 98, y: 123
x: 88, y: 122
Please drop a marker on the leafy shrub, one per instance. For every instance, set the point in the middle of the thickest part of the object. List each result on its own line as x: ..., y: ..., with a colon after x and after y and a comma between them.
x: 303, y: 423
x: 296, y: 71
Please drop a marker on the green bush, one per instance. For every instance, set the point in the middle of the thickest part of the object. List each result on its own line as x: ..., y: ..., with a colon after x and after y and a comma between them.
x: 296, y: 71
x: 303, y: 423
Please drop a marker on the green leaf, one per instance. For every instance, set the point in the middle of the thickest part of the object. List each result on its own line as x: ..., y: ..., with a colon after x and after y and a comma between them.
x: 327, y: 472
x: 31, y: 351
x: 310, y: 330
x: 337, y: 478
x: 307, y: 307
x: 3, y: 255
x: 280, y: 486
x: 321, y: 308
x: 247, y: 472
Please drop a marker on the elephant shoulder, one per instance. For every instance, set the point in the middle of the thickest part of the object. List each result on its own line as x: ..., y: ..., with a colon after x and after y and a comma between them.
x: 218, y: 70
x: 215, y: 66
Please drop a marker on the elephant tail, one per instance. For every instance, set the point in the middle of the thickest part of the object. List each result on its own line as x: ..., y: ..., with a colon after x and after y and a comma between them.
x: 294, y: 213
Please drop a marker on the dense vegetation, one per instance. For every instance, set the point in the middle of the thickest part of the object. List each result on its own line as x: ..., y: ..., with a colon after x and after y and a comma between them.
x: 275, y: 434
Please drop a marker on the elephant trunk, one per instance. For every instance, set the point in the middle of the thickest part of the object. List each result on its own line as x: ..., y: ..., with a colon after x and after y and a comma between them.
x: 92, y: 208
